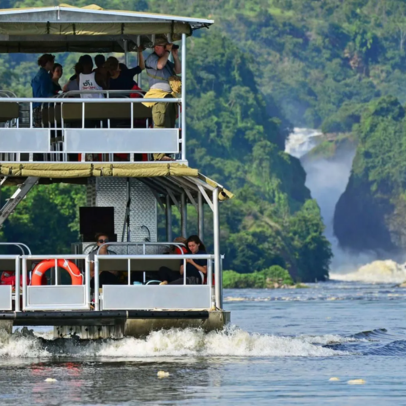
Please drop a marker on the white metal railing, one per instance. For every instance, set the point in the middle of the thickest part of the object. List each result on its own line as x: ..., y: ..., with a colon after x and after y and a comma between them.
x: 98, y: 133
x: 166, y: 292
x: 78, y: 297
x: 6, y: 299
x: 50, y: 294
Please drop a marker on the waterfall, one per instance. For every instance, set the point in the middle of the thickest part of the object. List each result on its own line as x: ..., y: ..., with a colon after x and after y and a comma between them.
x: 327, y: 179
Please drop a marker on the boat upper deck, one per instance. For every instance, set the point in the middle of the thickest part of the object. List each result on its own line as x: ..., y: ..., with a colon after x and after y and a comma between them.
x: 74, y: 127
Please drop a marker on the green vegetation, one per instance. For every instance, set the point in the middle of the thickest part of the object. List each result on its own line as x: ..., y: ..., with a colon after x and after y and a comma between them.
x: 272, y: 277
x: 265, y: 65
x: 331, y: 146
x: 371, y: 214
x: 47, y: 219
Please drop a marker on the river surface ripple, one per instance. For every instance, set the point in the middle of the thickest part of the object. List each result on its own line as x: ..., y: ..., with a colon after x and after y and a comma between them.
x: 283, y: 347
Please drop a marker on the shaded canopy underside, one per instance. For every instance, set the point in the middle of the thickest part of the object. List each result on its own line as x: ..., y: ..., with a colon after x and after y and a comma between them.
x: 66, y: 28
x: 161, y: 177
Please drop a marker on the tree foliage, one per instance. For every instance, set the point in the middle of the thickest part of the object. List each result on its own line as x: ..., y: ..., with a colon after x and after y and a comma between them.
x: 236, y: 129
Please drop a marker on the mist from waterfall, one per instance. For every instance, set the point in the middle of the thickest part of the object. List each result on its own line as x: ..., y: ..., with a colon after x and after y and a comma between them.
x: 327, y: 180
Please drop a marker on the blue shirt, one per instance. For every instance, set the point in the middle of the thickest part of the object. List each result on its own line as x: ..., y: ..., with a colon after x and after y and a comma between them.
x: 42, y: 85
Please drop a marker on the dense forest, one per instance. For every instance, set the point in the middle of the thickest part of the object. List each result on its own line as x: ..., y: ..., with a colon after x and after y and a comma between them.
x: 265, y: 66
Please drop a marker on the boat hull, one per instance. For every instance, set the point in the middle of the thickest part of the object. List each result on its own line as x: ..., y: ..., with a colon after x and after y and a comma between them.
x: 116, y: 324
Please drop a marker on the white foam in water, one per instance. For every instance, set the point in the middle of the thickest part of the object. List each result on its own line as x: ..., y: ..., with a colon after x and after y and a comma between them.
x: 376, y: 272
x: 22, y: 347
x: 301, y: 141
x: 174, y: 343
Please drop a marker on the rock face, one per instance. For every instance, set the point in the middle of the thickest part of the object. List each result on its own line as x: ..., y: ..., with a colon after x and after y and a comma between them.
x: 371, y: 213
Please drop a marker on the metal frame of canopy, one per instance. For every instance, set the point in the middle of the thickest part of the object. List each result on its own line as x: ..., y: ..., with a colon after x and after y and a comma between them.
x: 66, y: 28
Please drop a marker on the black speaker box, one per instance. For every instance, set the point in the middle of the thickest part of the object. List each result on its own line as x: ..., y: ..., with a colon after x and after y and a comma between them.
x: 95, y: 220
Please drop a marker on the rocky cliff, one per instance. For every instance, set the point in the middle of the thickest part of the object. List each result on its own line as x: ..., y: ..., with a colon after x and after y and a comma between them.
x: 371, y: 213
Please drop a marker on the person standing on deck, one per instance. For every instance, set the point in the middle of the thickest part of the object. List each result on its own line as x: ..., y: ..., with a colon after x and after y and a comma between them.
x: 89, y: 79
x: 57, y: 72
x: 42, y: 85
x: 122, y: 79
x: 99, y: 60
x: 163, y: 83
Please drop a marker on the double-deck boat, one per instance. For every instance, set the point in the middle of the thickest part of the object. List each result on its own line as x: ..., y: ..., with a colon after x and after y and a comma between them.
x: 124, y: 194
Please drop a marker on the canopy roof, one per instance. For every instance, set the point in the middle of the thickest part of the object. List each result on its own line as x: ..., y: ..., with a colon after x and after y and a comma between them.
x: 163, y: 178
x: 66, y: 28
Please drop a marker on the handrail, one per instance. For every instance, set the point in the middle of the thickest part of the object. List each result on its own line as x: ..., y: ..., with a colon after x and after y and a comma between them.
x: 19, y: 245
x: 135, y: 244
x: 7, y: 93
x: 17, y: 278
x: 108, y: 92
x: 89, y: 100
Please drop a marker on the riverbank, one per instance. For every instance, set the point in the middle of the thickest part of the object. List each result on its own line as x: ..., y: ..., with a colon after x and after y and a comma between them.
x: 274, y: 277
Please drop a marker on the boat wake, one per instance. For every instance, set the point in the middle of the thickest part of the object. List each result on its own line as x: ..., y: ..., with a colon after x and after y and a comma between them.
x: 232, y: 342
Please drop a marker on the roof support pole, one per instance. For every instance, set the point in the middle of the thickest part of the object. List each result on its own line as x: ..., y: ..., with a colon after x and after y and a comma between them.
x: 168, y: 219
x: 183, y: 215
x: 183, y: 126
x: 138, y: 62
x: 216, y: 242
x: 200, y: 216
x: 126, y: 55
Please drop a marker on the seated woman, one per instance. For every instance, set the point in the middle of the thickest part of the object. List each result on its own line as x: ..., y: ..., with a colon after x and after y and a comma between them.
x: 195, y: 268
x: 105, y: 277
x: 166, y: 274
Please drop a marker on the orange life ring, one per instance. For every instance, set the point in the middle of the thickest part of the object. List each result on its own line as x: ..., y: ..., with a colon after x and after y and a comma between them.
x: 38, y: 274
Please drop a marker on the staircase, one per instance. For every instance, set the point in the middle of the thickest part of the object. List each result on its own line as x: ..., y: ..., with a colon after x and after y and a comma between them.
x: 19, y: 195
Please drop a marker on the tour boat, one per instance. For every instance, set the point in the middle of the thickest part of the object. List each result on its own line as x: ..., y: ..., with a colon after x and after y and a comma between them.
x: 132, y: 191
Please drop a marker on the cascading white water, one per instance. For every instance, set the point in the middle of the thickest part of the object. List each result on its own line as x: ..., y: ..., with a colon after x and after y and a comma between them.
x: 327, y: 180
x: 301, y: 141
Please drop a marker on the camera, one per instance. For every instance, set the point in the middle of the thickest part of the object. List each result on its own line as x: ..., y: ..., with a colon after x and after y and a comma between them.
x: 174, y: 46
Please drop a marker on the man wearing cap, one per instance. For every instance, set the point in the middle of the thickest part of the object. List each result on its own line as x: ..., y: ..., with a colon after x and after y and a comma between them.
x: 161, y: 72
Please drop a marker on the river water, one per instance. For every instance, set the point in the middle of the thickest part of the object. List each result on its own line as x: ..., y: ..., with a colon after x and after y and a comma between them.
x: 283, y: 347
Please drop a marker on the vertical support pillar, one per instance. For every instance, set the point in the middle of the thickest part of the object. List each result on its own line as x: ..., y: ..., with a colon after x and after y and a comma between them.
x: 216, y: 244
x: 24, y: 266
x: 87, y: 282
x: 17, y: 285
x: 138, y: 62
x: 168, y: 219
x: 183, y: 215
x: 183, y: 97
x: 96, y: 284
x: 126, y: 56
x: 200, y: 216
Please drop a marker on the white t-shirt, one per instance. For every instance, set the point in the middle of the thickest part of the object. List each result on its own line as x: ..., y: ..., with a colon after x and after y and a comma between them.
x: 88, y: 82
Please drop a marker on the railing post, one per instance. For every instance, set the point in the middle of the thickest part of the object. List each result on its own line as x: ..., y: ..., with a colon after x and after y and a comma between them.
x: 96, y: 283
x: 216, y: 243
x: 184, y: 97
x: 210, y: 281
x: 183, y: 215
x: 184, y: 271
x: 87, y: 281
x: 24, y: 263
x: 17, y: 285
x: 168, y: 219
x: 200, y: 216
